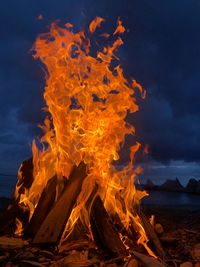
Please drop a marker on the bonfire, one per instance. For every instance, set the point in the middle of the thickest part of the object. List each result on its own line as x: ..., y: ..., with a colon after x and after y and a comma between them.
x: 71, y: 197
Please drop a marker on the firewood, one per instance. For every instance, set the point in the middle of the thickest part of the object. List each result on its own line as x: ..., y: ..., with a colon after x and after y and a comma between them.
x: 51, y: 229
x: 44, y: 206
x: 131, y: 263
x: 186, y: 264
x: 25, y: 178
x: 75, y: 259
x: 151, y: 234
x: 80, y: 244
x: 14, y: 209
x: 80, y: 231
x: 103, y: 230
x: 12, y: 243
x: 26, y: 263
x: 146, y: 260
x: 7, y: 220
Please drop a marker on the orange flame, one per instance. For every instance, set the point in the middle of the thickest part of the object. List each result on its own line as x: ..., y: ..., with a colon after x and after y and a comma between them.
x: 19, y: 227
x: 88, y: 100
x: 120, y: 28
x: 95, y: 23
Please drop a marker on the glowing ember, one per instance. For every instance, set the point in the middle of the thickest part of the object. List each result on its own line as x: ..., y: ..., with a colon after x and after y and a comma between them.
x: 88, y: 100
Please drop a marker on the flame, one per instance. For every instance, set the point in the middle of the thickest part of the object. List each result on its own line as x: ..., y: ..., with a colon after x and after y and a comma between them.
x: 88, y: 99
x: 19, y: 227
x: 95, y: 23
x: 120, y: 28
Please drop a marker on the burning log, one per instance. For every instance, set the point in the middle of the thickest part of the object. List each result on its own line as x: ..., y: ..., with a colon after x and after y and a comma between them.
x: 152, y: 234
x: 79, y: 230
x: 147, y: 261
x: 44, y: 206
x: 54, y: 224
x: 103, y: 230
x: 25, y: 178
x: 15, y: 209
x: 7, y: 220
x: 12, y: 243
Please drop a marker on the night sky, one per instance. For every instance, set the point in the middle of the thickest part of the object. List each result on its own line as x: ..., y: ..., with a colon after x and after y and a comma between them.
x: 161, y: 51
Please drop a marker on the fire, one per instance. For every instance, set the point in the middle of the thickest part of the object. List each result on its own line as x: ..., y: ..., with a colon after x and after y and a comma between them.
x: 19, y: 227
x: 87, y: 99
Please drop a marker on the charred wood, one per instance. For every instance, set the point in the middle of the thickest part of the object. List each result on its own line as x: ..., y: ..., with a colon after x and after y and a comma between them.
x: 151, y: 234
x: 52, y: 227
x: 103, y: 230
x: 80, y: 230
x: 12, y: 243
x: 45, y: 204
x: 147, y: 261
x: 25, y: 178
x: 14, y: 209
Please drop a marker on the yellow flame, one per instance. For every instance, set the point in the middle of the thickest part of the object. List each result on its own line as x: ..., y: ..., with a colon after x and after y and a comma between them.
x: 19, y: 227
x: 88, y: 98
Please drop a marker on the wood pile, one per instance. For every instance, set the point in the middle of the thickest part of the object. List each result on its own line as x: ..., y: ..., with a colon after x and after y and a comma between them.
x: 42, y: 243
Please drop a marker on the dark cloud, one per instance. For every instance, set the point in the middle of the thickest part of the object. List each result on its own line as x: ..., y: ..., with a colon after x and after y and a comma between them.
x: 161, y: 50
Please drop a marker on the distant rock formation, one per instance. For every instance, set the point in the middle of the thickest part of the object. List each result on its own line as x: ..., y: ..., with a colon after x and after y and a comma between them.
x: 172, y: 185
x: 193, y: 186
x: 150, y: 184
x: 4, y: 201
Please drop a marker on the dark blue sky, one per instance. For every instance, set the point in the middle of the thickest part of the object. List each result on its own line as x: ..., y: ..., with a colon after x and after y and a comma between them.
x: 161, y: 50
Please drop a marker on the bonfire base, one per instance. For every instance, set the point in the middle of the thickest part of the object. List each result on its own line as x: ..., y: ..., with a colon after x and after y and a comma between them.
x: 183, y: 230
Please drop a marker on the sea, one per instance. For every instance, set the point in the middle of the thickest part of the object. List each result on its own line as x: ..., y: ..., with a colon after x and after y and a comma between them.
x: 162, y: 198
x: 7, y: 185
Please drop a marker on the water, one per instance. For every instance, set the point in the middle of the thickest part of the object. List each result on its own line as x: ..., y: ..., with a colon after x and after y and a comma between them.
x: 7, y: 185
x: 172, y: 199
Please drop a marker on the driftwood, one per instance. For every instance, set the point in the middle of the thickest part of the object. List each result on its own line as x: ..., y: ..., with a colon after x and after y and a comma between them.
x: 52, y: 228
x: 103, y: 230
x: 152, y: 235
x: 146, y: 260
x: 47, y: 199
x: 12, y: 243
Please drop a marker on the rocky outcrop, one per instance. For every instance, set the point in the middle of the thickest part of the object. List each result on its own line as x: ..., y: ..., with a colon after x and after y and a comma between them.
x: 150, y: 184
x: 172, y: 185
x: 193, y: 186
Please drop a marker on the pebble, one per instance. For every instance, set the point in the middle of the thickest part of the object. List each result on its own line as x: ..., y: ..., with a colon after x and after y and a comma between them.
x: 47, y: 254
x: 42, y: 259
x: 186, y: 264
x: 8, y: 264
x: 196, y: 251
x: 159, y: 228
x: 3, y: 258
